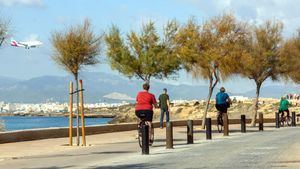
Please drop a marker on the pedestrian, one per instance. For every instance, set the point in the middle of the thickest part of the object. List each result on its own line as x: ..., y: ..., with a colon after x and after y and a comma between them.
x: 164, y: 104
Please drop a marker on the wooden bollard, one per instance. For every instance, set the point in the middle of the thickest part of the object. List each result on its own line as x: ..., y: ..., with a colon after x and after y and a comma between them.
x: 277, y: 123
x: 226, y: 124
x: 145, y: 140
x: 261, y: 122
x: 208, y: 128
x: 71, y: 115
x: 190, y: 132
x: 82, y: 113
x: 169, y: 135
x: 243, y: 123
x: 294, y: 119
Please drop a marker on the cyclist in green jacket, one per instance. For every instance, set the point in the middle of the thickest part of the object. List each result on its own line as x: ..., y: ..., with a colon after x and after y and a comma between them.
x: 284, y: 106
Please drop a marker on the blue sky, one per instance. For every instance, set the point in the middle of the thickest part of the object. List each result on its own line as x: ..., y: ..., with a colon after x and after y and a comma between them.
x: 36, y: 19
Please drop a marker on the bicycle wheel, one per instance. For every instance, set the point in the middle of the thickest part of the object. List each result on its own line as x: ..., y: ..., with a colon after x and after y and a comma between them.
x: 140, y: 133
x: 288, y: 121
x: 151, y: 139
x: 282, y: 120
x: 220, y: 123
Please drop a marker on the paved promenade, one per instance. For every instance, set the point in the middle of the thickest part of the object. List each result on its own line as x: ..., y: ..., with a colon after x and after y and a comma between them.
x: 272, y: 148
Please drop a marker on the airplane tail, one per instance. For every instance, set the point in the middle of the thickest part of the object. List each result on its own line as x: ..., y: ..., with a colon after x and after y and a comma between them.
x: 13, y: 42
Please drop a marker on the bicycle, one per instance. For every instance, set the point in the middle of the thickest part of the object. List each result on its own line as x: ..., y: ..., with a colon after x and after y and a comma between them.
x: 285, y: 119
x: 220, y: 122
x: 142, y: 123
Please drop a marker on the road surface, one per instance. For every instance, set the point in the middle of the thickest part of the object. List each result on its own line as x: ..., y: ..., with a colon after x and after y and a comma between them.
x: 272, y: 148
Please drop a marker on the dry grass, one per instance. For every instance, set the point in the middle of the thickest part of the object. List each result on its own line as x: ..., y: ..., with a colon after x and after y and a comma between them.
x: 190, y: 111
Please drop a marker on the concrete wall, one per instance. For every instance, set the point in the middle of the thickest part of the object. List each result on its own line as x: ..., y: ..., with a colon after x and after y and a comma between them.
x: 37, y: 134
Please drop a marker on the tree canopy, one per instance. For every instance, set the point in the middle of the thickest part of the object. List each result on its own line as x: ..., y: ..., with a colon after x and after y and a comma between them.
x: 4, y: 27
x: 291, y: 58
x: 145, y: 54
x: 76, y: 47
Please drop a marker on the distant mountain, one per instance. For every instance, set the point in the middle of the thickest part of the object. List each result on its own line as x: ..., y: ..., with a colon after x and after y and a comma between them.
x: 274, y: 91
x: 97, y: 85
x: 118, y: 96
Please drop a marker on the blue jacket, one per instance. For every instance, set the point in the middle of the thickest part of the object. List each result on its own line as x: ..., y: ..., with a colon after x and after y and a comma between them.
x: 221, y: 98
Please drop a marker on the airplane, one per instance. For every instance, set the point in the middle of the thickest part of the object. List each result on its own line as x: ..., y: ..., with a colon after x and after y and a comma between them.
x: 26, y: 44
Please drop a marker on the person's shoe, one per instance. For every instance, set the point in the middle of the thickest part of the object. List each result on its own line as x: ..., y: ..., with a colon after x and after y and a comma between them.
x: 161, y: 127
x: 150, y: 142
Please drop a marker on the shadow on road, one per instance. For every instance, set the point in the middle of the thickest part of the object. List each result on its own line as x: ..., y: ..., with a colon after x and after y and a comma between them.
x: 128, y: 166
x: 53, y: 167
x: 79, y: 154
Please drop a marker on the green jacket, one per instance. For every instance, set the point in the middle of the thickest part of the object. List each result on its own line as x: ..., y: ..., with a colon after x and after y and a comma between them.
x: 284, y: 104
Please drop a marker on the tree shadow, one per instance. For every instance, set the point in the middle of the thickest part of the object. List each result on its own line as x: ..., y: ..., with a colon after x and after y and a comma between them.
x: 74, y: 155
x: 53, y: 167
x: 128, y: 166
x: 164, y: 140
x: 113, y: 152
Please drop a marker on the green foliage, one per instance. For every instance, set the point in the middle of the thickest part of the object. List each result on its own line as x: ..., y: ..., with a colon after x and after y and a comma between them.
x: 261, y: 54
x: 290, y: 58
x: 145, y: 54
x: 209, y: 50
x: 76, y: 47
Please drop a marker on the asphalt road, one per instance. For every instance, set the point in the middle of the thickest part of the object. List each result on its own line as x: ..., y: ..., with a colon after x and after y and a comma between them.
x: 273, y: 148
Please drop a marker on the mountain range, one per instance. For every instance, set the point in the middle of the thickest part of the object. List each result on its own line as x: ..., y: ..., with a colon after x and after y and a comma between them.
x: 98, y: 84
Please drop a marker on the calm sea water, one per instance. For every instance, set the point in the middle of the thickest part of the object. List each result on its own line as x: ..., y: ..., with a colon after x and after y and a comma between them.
x: 23, y: 122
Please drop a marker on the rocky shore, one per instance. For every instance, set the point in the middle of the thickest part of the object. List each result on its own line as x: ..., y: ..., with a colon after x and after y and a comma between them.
x: 195, y: 110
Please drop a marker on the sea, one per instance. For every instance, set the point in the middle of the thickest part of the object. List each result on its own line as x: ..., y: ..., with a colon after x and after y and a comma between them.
x: 13, y: 123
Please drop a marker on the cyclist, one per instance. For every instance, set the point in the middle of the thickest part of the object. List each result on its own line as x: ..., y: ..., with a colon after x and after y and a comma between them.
x: 145, y: 101
x: 222, y: 101
x: 284, y: 106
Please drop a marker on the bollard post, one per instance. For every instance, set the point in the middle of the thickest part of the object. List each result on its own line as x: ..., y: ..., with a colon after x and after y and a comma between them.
x: 226, y: 124
x: 208, y: 128
x: 243, y: 123
x: 82, y: 112
x: 294, y: 119
x: 277, y: 120
x: 261, y: 122
x: 169, y: 135
x: 71, y: 115
x: 145, y: 140
x: 190, y: 132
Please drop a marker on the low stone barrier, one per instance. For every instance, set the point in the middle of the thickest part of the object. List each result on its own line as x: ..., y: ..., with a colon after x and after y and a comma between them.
x: 37, y: 134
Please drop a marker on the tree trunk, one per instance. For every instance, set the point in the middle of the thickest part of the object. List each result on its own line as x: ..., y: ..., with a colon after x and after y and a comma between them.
x: 207, y: 105
x: 77, y: 110
x: 2, y: 39
x: 254, y: 115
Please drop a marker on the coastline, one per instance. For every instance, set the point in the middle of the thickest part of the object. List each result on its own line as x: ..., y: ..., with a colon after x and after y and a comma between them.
x: 55, y: 115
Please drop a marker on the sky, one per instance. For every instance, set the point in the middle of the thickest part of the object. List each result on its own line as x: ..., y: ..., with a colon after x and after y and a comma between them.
x: 37, y: 19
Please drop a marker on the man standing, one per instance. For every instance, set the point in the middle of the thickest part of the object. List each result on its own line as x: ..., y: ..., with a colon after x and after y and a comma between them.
x: 164, y: 104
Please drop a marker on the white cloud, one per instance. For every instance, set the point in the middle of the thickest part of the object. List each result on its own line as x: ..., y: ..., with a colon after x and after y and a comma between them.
x: 254, y: 11
x: 21, y: 2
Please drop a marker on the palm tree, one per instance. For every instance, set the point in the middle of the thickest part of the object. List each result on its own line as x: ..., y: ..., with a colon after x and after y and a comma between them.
x: 74, y: 48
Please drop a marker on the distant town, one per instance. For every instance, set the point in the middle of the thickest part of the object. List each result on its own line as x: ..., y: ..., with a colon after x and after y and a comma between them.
x: 46, y: 108
x: 56, y: 107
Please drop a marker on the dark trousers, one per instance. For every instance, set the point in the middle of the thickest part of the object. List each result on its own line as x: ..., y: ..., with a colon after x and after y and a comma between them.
x: 282, y: 112
x: 162, y: 113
